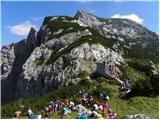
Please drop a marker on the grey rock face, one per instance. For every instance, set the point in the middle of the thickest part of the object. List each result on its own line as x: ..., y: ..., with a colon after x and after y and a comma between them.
x: 8, y: 57
x: 24, y: 69
x: 132, y: 36
x: 13, y: 57
x: 39, y: 79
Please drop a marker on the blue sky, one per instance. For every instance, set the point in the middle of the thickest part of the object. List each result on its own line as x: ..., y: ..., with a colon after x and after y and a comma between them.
x: 18, y: 17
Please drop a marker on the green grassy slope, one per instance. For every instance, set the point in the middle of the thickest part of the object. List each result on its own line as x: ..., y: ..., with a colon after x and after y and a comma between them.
x: 133, y: 105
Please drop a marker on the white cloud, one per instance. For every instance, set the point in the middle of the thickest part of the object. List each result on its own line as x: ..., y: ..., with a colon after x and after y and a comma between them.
x: 21, y: 29
x: 132, y: 16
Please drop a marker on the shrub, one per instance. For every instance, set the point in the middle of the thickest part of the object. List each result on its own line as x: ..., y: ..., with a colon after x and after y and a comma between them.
x: 40, y: 61
x: 155, y: 83
x: 83, y: 74
x: 141, y: 65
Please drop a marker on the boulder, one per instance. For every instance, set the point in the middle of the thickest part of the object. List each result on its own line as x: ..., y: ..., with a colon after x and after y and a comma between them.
x: 81, y: 109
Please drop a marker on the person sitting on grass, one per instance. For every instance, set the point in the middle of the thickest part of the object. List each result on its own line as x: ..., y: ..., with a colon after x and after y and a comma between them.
x: 80, y: 99
x: 111, y: 114
x: 99, y: 116
x: 17, y: 114
x: 100, y: 107
x: 65, y: 101
x: 105, y: 96
x: 93, y: 114
x: 51, y: 109
x: 46, y: 111
x: 95, y: 106
x: 84, y: 116
x: 71, y: 105
x: 100, y: 96
x: 79, y: 116
x: 31, y: 115
x: 65, y: 110
x: 105, y: 107
x: 90, y: 99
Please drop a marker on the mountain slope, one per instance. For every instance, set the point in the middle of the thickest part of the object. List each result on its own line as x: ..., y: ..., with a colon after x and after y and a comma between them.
x: 65, y: 46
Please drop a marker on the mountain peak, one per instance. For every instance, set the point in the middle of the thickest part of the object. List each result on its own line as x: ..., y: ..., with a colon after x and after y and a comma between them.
x: 32, y: 32
x: 87, y: 18
x: 82, y: 14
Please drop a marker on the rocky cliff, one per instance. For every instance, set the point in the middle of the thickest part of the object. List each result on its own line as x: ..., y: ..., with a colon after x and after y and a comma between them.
x: 64, y: 46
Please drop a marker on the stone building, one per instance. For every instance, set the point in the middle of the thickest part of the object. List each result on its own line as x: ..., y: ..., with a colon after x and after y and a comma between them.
x: 107, y: 68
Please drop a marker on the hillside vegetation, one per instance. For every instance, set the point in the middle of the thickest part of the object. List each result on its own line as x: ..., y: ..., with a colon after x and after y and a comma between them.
x: 133, y: 105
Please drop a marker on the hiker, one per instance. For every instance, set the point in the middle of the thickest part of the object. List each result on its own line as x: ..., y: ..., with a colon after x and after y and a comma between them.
x: 122, y: 88
x: 95, y: 106
x: 56, y: 105
x: 60, y: 105
x: 128, y: 91
x: 80, y: 99
x: 65, y: 101
x: 85, y: 96
x: 101, y: 96
x: 17, y: 114
x: 111, y: 114
x: 71, y: 104
x: 125, y: 86
x: 100, y: 108
x: 85, y: 99
x: 128, y: 86
x: 46, y: 111
x: 31, y: 115
x: 65, y: 110
x: 99, y: 116
x: 105, y: 107
x: 84, y: 116
x: 51, y: 109
x: 79, y: 116
x: 106, y: 98
x: 93, y: 115
x: 90, y: 98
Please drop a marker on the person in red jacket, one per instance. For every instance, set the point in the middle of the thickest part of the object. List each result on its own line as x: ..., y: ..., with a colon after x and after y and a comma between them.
x: 105, y: 108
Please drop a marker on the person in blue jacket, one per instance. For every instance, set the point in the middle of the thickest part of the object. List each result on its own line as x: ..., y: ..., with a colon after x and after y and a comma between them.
x: 79, y: 116
x: 84, y: 116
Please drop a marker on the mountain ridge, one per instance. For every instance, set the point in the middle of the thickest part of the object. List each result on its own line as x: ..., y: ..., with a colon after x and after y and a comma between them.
x: 57, y: 52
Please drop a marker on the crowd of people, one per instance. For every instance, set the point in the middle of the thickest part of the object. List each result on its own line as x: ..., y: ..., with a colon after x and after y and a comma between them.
x: 126, y: 86
x: 96, y: 107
